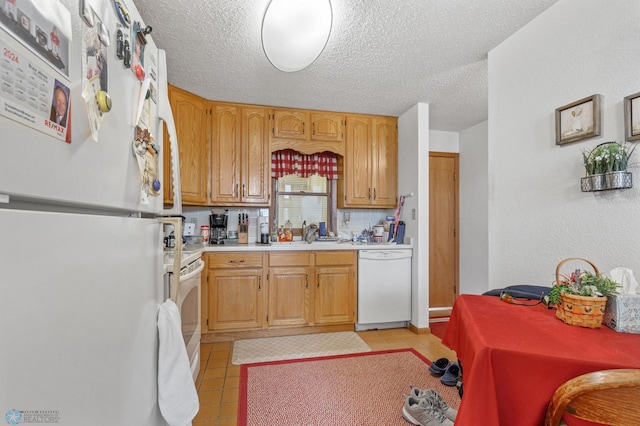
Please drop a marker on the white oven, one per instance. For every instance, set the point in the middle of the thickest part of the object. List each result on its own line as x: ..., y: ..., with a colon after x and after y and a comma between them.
x: 188, y: 302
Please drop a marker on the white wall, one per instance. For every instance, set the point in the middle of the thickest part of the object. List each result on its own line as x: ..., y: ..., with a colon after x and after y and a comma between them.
x: 441, y: 141
x: 537, y: 213
x: 474, y: 210
x: 413, y: 177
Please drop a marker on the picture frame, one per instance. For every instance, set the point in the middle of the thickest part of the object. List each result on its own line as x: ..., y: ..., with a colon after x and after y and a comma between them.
x: 632, y: 117
x: 578, y: 120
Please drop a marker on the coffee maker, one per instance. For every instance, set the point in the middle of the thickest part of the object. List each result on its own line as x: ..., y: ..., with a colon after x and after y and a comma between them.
x: 218, y: 228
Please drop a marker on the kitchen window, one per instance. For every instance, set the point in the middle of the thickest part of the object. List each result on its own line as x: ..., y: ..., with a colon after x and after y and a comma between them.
x: 304, y: 188
x: 310, y: 199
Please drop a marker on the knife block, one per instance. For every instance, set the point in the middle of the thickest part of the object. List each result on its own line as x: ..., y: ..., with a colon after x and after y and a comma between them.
x: 243, y: 234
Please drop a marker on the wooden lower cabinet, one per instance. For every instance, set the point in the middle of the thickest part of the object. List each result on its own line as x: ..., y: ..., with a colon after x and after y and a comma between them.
x: 335, y: 292
x: 252, y: 290
x: 233, y: 292
x: 289, y: 294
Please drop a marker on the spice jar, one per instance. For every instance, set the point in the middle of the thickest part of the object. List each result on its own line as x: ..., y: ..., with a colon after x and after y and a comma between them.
x: 204, y: 232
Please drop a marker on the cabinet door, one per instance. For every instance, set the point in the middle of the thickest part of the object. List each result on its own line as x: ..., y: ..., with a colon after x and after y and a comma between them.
x: 335, y: 295
x: 384, y: 162
x: 358, y: 189
x: 288, y: 296
x: 256, y: 161
x: 290, y: 124
x: 235, y: 299
x: 326, y: 127
x: 191, y: 119
x: 225, y: 154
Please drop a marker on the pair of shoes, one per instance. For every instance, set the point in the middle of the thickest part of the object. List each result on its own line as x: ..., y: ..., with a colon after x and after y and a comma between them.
x: 423, y: 412
x: 439, y: 402
x: 438, y: 367
x: 450, y: 376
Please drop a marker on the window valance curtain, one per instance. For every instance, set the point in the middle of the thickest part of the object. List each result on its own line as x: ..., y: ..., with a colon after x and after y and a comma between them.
x: 288, y: 161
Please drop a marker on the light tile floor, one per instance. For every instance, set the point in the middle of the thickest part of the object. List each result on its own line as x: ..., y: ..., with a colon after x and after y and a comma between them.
x: 219, y: 380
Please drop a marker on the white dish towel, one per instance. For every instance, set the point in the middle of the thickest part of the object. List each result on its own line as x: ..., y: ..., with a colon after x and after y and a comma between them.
x: 177, y: 395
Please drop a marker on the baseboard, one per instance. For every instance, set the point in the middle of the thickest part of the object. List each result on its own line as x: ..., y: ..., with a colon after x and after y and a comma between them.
x: 419, y: 330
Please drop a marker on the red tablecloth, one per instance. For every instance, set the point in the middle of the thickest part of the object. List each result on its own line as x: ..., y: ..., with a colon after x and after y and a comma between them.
x: 514, y: 357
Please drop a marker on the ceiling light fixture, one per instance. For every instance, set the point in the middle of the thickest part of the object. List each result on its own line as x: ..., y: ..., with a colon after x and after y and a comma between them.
x: 294, y: 32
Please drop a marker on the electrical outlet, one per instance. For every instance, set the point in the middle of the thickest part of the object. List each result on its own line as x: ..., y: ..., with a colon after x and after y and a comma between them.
x: 189, y: 229
x: 413, y: 213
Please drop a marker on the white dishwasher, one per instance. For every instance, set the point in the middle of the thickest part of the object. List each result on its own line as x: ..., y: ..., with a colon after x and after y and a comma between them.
x: 384, y: 288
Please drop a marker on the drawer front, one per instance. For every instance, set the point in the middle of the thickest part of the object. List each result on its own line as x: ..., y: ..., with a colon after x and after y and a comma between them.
x: 234, y: 260
x: 289, y: 259
x: 339, y: 257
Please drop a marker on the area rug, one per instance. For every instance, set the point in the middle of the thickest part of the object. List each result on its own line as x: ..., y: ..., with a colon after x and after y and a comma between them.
x: 438, y: 328
x: 356, y: 389
x: 294, y: 347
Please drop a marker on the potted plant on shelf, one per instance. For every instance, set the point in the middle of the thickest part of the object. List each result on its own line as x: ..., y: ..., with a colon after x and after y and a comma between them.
x: 606, y: 166
x: 580, y: 297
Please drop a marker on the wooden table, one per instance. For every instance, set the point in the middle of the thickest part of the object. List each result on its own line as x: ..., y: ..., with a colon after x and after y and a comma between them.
x: 514, y: 357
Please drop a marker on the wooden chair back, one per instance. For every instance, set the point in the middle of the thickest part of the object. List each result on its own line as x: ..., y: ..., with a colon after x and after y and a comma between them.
x: 611, y: 397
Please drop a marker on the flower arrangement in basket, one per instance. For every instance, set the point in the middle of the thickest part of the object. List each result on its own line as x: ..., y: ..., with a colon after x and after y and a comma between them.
x: 580, y: 298
x: 606, y: 166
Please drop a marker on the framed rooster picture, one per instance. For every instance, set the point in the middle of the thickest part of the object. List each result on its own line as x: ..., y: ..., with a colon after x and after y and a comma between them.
x: 578, y: 120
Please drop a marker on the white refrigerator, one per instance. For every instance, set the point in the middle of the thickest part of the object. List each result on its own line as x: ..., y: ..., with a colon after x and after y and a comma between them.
x: 81, y: 254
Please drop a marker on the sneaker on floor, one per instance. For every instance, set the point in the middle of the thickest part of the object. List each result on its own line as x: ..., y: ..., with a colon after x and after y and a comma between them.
x: 423, y: 412
x: 450, y: 376
x: 438, y: 367
x: 437, y: 399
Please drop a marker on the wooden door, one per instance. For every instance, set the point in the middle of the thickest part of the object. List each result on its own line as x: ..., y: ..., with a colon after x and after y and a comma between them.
x: 256, y: 161
x: 191, y: 117
x: 357, y: 162
x: 384, y: 162
x: 443, y: 229
x: 225, y: 154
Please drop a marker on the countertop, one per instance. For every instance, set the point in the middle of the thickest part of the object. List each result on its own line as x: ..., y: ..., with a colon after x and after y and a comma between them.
x: 295, y: 246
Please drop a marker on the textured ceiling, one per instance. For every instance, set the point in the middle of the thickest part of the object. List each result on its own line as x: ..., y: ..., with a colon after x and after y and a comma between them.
x: 382, y: 57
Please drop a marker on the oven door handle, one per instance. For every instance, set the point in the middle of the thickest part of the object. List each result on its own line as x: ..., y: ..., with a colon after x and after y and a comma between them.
x: 192, y: 273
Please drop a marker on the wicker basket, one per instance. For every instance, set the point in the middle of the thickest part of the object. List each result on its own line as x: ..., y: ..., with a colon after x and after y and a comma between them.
x: 583, y: 311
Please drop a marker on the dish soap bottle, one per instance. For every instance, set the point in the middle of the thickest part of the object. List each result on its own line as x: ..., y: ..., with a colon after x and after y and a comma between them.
x: 288, y: 233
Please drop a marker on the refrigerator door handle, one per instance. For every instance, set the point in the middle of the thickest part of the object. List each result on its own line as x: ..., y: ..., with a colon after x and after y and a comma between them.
x: 165, y: 114
x: 177, y: 254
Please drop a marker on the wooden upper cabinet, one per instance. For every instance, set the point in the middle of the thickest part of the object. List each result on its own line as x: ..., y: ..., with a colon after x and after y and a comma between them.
x: 369, y: 167
x: 240, y: 155
x: 290, y: 124
x: 256, y: 159
x: 354, y: 185
x: 307, y: 131
x: 192, y: 123
x: 225, y: 154
x: 327, y: 126
x: 385, y: 161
